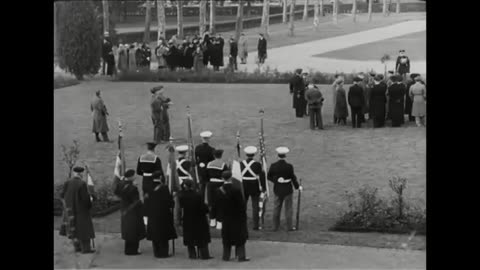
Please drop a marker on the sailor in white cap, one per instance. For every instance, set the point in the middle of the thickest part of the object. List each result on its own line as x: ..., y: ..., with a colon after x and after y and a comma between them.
x: 253, y: 179
x: 215, y: 168
x: 203, y: 155
x: 282, y: 175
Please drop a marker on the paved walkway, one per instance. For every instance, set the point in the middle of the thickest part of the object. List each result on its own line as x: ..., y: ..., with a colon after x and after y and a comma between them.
x: 263, y: 254
x: 301, y: 55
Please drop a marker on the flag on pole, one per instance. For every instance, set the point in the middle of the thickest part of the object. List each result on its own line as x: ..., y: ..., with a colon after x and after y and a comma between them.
x: 118, y: 167
x: 191, y: 149
x: 120, y: 164
x: 172, y: 179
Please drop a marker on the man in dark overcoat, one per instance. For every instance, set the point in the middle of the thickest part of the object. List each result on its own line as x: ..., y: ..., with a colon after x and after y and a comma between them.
x: 160, y: 228
x: 262, y: 49
x: 196, y: 233
x: 356, y: 100
x: 378, y: 100
x: 297, y: 90
x: 188, y: 58
x: 131, y: 207
x: 99, y: 113
x: 233, y: 54
x: 396, y: 97
x: 107, y: 56
x: 233, y: 215
x: 78, y: 203
x: 203, y: 155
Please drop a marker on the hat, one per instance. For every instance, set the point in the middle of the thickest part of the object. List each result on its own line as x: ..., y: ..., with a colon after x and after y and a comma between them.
x: 250, y: 150
x: 97, y: 92
x: 361, y: 76
x: 156, y: 174
x: 413, y: 75
x: 282, y: 150
x: 156, y: 88
x: 372, y: 73
x: 151, y: 145
x: 402, y: 50
x: 129, y: 173
x: 391, y: 71
x: 378, y: 77
x: 182, y: 148
x: 206, y: 134
x: 357, y: 79
x: 217, y: 152
x: 418, y: 78
x: 298, y: 70
x: 78, y: 169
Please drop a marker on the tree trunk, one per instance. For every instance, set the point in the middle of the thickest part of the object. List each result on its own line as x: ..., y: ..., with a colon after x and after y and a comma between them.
x: 148, y: 19
x: 354, y: 10
x: 212, y: 16
x: 284, y: 14
x: 321, y: 8
x: 203, y: 16
x: 180, y: 19
x: 161, y: 19
x: 305, y: 11
x: 106, y: 17
x: 384, y: 10
x: 266, y: 17
x: 124, y: 11
x: 370, y: 2
x: 55, y: 37
x: 239, y: 24
x: 292, y: 18
x: 398, y: 7
x: 316, y: 20
x: 335, y: 12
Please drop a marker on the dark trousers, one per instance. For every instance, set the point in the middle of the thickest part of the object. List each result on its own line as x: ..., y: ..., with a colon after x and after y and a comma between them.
x: 277, y: 208
x: 316, y: 118
x: 341, y: 119
x: 160, y: 249
x: 233, y: 62
x: 203, y: 188
x: 255, y: 208
x: 201, y: 252
x: 300, y: 109
x: 82, y: 245
x: 211, y: 187
x: 104, y: 136
x: 356, y: 116
x: 131, y: 247
x: 239, y: 251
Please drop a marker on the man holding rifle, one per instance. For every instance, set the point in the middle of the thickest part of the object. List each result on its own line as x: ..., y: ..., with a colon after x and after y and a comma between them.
x: 253, y: 182
x: 282, y: 175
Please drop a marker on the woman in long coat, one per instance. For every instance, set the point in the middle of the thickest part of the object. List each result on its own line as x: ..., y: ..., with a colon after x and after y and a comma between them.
x: 378, y: 100
x: 99, y: 113
x: 418, y: 93
x: 196, y: 232
x: 122, y: 58
x: 131, y: 208
x: 160, y: 228
x: 341, y: 108
x: 198, y: 59
x: 188, y: 58
x: 408, y: 99
x: 396, y: 96
x: 132, y: 61
x: 243, y: 48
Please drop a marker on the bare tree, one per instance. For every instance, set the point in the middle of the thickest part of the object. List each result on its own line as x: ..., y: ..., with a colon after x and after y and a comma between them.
x: 239, y: 24
x: 284, y: 13
x: 106, y: 16
x: 148, y: 20
x: 398, y: 7
x: 370, y: 2
x: 335, y: 12
x: 203, y: 16
x: 266, y: 17
x: 212, y: 16
x: 354, y: 10
x: 161, y: 19
x: 384, y: 10
x: 316, y: 20
x: 292, y: 18
x: 305, y: 11
x: 180, y: 19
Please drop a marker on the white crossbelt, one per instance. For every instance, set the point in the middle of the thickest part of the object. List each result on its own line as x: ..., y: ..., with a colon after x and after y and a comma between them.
x: 179, y: 166
x: 248, y: 169
x: 281, y: 180
x: 147, y: 174
x: 216, y: 180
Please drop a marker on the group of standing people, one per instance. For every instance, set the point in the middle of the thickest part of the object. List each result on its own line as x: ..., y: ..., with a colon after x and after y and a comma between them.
x: 133, y: 57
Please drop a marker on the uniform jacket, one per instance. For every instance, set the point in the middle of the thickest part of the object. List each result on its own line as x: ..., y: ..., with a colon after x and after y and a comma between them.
x: 147, y: 164
x: 252, y: 187
x: 196, y: 231
x: 215, y: 169
x: 356, y: 97
x: 132, y: 226
x: 99, y: 115
x: 403, y: 68
x: 284, y: 170
x: 160, y: 215
x: 203, y: 155
x: 183, y: 169
x: 79, y: 204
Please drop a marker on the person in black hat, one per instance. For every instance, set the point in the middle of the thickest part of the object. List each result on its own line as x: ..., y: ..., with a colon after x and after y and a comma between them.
x: 131, y: 207
x: 396, y: 96
x: 78, y: 203
x: 196, y: 233
x: 402, y: 65
x: 160, y: 227
x: 378, y: 101
x: 356, y: 100
x: 297, y: 90
x: 232, y: 212
x: 99, y: 113
x: 215, y: 168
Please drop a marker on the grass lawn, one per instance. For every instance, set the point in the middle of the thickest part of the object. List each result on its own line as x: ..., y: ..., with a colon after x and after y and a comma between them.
x: 414, y: 44
x: 329, y: 162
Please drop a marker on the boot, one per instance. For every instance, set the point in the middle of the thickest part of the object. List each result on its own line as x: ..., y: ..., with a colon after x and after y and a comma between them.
x: 97, y: 138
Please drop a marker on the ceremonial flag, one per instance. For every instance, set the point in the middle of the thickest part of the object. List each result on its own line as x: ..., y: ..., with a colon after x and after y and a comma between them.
x: 172, y: 179
x: 120, y: 163
x: 264, y: 197
x: 191, y: 149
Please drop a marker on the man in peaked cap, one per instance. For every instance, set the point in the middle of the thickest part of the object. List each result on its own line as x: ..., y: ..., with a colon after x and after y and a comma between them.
x: 402, y: 66
x: 131, y: 207
x: 215, y: 168
x: 78, y: 203
x: 203, y: 155
x: 253, y: 179
x: 147, y: 164
x: 282, y: 175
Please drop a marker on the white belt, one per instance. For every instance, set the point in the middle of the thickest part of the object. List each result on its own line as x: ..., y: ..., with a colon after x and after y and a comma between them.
x: 157, y: 180
x: 216, y: 180
x: 184, y: 177
x: 249, y: 178
x: 281, y: 180
x: 147, y: 174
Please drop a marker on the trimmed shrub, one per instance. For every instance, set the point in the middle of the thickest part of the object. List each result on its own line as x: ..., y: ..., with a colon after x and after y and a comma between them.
x: 60, y: 81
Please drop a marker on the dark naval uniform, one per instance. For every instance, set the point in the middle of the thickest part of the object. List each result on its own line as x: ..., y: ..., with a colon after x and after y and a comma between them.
x: 403, y: 65
x: 203, y: 155
x: 253, y: 183
x: 148, y: 164
x: 183, y: 170
x: 282, y: 175
x: 214, y: 175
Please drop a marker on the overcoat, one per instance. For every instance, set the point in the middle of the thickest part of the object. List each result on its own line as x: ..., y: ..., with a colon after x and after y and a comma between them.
x: 408, y: 99
x: 196, y: 231
x: 160, y: 215
x: 131, y: 207
x: 297, y: 88
x: 418, y: 94
x: 243, y: 47
x: 396, y: 98
x: 341, y: 109
x: 378, y: 100
x: 99, y: 115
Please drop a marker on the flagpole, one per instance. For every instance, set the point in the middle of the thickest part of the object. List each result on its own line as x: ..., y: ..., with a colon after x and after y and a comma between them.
x: 193, y: 168
x: 121, y: 148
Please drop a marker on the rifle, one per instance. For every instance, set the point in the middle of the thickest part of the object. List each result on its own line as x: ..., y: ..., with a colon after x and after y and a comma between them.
x: 297, y: 222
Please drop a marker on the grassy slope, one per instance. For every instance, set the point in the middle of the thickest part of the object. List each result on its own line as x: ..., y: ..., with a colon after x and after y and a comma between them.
x: 329, y: 161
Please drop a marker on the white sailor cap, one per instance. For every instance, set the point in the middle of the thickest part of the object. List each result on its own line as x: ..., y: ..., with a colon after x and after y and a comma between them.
x: 361, y: 76
x: 182, y: 148
x: 206, y: 134
x: 250, y: 150
x: 282, y: 150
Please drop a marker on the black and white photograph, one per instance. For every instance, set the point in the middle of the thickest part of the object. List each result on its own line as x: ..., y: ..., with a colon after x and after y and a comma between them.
x: 240, y: 134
